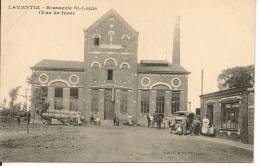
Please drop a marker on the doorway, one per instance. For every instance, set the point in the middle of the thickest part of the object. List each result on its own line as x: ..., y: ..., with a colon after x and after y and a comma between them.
x: 109, y: 104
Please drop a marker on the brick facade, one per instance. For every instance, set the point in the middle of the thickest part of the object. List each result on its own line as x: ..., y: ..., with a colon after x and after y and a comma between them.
x: 111, y: 72
x: 243, y: 98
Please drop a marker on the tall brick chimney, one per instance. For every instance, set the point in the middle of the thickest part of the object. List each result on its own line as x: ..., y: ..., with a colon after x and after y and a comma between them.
x: 176, y: 42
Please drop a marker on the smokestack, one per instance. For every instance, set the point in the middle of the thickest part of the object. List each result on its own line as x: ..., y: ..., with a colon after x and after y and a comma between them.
x: 176, y: 42
x: 202, y: 80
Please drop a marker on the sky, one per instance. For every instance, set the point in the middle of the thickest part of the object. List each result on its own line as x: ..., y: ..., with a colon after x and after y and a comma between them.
x: 215, y: 35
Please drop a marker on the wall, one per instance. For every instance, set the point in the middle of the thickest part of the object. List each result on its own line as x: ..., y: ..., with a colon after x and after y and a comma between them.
x: 108, y: 24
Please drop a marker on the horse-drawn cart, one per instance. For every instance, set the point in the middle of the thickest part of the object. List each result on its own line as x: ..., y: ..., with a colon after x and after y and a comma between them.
x: 70, y: 118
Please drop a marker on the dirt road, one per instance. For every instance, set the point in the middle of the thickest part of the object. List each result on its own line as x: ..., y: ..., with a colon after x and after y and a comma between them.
x: 57, y: 143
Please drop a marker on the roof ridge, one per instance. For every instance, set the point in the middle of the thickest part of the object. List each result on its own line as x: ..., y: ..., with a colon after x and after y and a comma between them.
x: 104, y: 16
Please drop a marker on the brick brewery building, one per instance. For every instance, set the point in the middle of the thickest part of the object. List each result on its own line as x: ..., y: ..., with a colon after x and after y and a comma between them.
x: 110, y: 80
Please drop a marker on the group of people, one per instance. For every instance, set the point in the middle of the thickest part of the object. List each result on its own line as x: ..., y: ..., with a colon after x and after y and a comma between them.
x: 156, y: 118
x: 95, y: 121
x: 184, y: 125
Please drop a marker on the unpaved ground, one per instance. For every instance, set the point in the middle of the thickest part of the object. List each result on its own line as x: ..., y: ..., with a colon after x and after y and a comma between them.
x: 59, y: 143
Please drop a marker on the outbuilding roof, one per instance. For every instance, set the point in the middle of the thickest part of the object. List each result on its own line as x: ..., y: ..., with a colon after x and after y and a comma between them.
x: 50, y: 64
x: 227, y: 92
x: 161, y: 69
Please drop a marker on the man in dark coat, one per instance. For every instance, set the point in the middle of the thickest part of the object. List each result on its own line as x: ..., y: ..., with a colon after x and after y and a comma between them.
x: 148, y: 120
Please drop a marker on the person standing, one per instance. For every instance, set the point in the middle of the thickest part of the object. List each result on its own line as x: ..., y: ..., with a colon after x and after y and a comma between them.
x: 92, y: 119
x: 115, y: 120
x: 152, y: 119
x: 183, y: 123
x: 130, y: 120
x: 205, y: 126
x: 172, y: 126
x: 148, y: 120
x: 78, y: 118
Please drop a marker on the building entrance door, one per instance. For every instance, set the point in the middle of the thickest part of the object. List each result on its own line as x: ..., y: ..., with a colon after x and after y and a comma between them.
x: 109, y: 104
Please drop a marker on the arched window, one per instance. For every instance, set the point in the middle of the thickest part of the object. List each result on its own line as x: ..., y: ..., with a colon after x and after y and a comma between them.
x: 124, y: 72
x: 110, y: 64
x: 175, y: 101
x: 96, y: 39
x: 95, y: 71
x: 125, y: 37
x: 125, y: 41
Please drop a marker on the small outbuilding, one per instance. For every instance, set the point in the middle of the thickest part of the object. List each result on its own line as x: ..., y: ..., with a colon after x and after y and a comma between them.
x: 232, y: 113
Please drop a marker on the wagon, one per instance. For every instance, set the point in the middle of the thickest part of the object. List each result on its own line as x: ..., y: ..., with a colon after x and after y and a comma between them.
x: 70, y: 118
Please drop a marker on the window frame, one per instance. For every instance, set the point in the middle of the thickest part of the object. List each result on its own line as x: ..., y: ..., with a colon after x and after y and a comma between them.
x: 226, y: 113
x: 110, y: 74
x: 123, y: 101
x: 96, y: 41
x: 94, y: 101
x: 145, y: 101
x: 160, y: 101
x: 175, y: 101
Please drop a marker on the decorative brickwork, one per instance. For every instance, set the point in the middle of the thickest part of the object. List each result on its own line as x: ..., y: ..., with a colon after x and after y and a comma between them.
x: 110, y: 72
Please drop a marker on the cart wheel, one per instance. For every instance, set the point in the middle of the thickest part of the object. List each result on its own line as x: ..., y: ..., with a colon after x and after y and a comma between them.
x: 71, y: 122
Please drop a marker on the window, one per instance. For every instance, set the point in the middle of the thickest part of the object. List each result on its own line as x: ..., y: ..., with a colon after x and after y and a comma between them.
x: 123, y: 101
x: 74, y: 95
x: 110, y: 64
x: 125, y: 41
x: 95, y: 72
x: 230, y: 112
x: 160, y: 102
x: 145, y: 101
x: 175, y: 102
x: 58, y: 92
x: 96, y: 41
x: 94, y: 100
x: 210, y: 113
x: 109, y: 74
x: 74, y: 92
x: 124, y: 75
x: 58, y: 95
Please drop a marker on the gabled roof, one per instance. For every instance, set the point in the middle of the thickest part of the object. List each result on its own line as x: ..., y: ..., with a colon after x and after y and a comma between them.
x: 108, y: 14
x: 50, y: 64
x: 168, y: 69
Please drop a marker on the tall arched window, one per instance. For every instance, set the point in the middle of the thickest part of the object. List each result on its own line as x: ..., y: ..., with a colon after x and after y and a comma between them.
x: 124, y: 72
x: 110, y: 64
x: 125, y: 41
x: 95, y: 71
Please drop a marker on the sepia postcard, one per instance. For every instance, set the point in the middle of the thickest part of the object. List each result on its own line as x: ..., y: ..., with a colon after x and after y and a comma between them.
x: 93, y: 81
